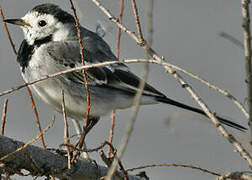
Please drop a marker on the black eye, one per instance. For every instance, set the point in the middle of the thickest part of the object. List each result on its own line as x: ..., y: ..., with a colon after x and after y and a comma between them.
x: 42, y: 23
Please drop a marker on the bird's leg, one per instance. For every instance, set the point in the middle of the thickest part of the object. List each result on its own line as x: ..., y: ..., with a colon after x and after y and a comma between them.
x: 78, y: 130
x: 77, y: 127
x: 91, y: 123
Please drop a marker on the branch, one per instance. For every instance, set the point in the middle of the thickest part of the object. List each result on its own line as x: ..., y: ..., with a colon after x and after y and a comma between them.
x: 3, y: 121
x: 175, y: 165
x: 43, y: 162
x: 138, y: 25
x: 247, y: 51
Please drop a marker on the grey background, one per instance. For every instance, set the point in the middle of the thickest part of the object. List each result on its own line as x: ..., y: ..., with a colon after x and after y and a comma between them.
x: 186, y: 33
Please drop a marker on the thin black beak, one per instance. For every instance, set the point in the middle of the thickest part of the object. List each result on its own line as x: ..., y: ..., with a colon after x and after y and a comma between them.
x: 19, y: 22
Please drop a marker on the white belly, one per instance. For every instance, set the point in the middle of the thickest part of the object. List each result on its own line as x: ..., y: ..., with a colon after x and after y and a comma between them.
x: 103, y: 100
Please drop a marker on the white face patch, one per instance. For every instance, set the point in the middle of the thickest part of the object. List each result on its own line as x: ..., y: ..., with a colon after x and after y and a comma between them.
x: 62, y: 32
x: 36, y: 32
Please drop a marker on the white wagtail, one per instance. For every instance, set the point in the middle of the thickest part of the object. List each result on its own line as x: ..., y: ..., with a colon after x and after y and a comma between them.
x: 51, y: 45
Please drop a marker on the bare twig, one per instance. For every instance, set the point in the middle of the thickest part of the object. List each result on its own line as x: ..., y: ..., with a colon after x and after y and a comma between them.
x: 74, y: 148
x: 7, y: 31
x: 184, y: 84
x: 66, y: 132
x: 138, y: 25
x: 118, y: 42
x: 4, y: 116
x: 36, y: 116
x: 29, y: 142
x: 83, y: 135
x: 28, y: 89
x: 247, y: 51
x: 174, y: 165
x: 111, y: 132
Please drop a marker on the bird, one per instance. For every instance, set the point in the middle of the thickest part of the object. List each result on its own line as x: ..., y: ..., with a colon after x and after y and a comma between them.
x: 51, y: 45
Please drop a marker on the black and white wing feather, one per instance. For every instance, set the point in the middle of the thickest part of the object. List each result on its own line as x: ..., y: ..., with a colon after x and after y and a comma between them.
x: 67, y: 54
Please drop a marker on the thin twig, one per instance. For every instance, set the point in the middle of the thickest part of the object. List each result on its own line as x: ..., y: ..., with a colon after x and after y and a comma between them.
x: 29, y: 142
x: 247, y: 52
x: 118, y: 42
x: 138, y: 25
x: 28, y: 89
x: 83, y: 135
x: 4, y: 116
x: 90, y: 150
x: 66, y: 132
x: 7, y: 31
x: 244, y: 154
x: 36, y: 116
x: 137, y: 100
x: 111, y: 132
x: 174, y: 165
x: 74, y: 148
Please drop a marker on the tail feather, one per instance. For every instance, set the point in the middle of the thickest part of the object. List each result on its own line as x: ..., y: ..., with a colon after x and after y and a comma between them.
x: 193, y: 109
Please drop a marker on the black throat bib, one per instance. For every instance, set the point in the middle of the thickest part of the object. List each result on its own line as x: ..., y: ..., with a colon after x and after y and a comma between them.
x: 26, y: 51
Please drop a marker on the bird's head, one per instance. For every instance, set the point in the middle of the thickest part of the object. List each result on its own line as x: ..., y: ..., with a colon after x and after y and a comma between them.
x: 46, y: 21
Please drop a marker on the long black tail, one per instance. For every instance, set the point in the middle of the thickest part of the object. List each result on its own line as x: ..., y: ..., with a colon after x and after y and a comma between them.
x: 193, y: 109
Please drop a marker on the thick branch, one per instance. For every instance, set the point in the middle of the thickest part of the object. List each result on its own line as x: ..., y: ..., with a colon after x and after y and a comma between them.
x: 247, y: 51
x: 43, y: 162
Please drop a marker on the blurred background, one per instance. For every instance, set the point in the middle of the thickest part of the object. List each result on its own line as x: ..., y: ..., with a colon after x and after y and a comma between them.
x: 186, y: 33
